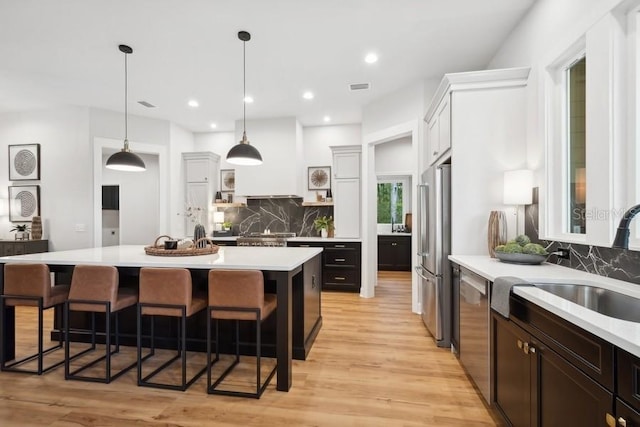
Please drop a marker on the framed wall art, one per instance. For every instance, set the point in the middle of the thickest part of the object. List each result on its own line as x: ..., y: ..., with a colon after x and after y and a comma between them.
x: 24, y: 202
x: 24, y: 162
x: 319, y: 177
x: 227, y: 180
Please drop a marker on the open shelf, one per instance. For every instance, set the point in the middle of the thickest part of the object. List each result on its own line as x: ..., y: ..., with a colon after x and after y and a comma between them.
x: 229, y: 205
x: 317, y: 203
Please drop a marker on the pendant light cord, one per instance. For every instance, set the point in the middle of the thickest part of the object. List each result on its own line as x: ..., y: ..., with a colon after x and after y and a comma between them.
x: 126, y: 114
x: 244, y: 87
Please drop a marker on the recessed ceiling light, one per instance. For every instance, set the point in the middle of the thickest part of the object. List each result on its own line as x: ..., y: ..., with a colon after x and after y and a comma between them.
x: 248, y: 99
x: 308, y: 95
x: 326, y: 119
x: 193, y: 103
x: 213, y: 125
x: 371, y: 58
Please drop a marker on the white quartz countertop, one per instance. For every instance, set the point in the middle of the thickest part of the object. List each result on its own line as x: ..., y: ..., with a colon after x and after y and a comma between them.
x: 299, y: 239
x: 395, y: 233
x: 259, y: 258
x: 621, y: 333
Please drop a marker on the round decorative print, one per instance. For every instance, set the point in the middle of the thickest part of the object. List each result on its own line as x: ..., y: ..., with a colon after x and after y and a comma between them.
x: 230, y: 181
x: 319, y: 178
x: 28, y: 203
x: 24, y: 162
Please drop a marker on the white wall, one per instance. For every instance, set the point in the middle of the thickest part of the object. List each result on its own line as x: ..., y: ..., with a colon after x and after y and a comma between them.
x: 181, y: 140
x: 316, y: 151
x: 550, y: 27
x: 401, y: 106
x: 65, y: 184
x: 216, y: 142
x: 139, y: 201
x: 395, y: 157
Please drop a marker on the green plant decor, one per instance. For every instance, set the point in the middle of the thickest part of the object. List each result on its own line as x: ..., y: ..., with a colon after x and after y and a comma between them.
x: 22, y: 228
x: 323, y: 223
x: 227, y: 225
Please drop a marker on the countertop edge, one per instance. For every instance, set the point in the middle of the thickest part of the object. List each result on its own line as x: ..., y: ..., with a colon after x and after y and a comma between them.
x: 621, y: 333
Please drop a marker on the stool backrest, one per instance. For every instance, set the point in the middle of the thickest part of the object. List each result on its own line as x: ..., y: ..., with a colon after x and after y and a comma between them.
x: 165, y: 286
x: 27, y: 279
x: 94, y: 283
x: 236, y: 288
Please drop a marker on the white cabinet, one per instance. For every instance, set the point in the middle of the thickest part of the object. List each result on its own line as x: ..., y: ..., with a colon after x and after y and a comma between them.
x: 346, y: 190
x: 346, y: 164
x: 438, y: 140
x: 201, y: 171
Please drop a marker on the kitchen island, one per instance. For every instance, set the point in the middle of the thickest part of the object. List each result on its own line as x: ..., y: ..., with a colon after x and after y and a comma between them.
x: 294, y: 274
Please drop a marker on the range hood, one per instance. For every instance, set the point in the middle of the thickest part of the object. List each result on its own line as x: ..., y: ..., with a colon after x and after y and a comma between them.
x: 280, y: 175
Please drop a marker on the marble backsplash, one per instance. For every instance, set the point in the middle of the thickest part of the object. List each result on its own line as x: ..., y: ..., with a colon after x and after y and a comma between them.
x: 615, y: 263
x: 278, y: 215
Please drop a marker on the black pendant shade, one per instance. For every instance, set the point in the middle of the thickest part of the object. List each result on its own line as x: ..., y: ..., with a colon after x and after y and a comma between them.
x: 125, y: 160
x: 243, y: 153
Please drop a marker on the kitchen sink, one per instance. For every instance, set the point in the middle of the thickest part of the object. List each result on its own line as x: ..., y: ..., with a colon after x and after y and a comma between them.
x: 603, y: 301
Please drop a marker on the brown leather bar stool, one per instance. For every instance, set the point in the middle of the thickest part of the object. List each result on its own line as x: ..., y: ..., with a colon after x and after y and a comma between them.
x: 237, y: 295
x: 30, y: 285
x: 95, y: 289
x: 167, y: 292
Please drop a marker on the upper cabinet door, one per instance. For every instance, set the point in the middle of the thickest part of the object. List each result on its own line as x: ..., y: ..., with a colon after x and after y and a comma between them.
x: 346, y: 165
x: 444, y: 125
x: 198, y: 170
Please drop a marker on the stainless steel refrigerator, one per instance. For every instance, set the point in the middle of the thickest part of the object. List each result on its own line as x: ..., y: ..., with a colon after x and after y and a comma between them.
x: 434, y: 247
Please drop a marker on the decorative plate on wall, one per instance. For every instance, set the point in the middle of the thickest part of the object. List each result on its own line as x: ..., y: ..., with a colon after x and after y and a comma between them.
x: 227, y: 179
x: 24, y: 162
x: 24, y: 202
x: 319, y: 177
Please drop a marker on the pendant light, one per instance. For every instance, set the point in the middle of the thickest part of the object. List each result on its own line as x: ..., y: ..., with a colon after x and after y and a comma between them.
x: 244, y: 153
x: 125, y: 160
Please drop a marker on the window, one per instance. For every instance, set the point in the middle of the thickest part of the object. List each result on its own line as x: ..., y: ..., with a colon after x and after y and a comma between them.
x: 575, y: 116
x: 394, y: 200
x: 390, y: 203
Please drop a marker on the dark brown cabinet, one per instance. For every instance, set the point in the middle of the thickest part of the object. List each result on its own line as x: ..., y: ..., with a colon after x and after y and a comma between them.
x: 23, y: 247
x: 394, y: 252
x: 341, y: 264
x: 628, y: 402
x: 548, y: 372
x: 110, y: 197
x: 224, y: 242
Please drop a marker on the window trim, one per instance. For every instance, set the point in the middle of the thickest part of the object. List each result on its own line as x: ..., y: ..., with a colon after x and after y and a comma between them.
x: 406, y: 190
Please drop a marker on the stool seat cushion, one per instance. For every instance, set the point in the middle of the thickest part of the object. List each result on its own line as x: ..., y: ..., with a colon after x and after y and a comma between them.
x: 168, y: 286
x: 242, y: 289
x: 98, y: 283
x: 32, y: 280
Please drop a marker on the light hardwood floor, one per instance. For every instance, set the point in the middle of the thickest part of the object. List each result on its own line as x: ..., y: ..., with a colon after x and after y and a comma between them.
x: 373, y: 364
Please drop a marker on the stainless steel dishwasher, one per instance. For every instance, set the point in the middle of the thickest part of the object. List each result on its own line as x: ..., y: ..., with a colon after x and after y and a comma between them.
x: 474, y: 329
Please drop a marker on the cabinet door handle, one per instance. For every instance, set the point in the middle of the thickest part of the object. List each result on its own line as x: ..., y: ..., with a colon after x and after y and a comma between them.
x: 304, y: 246
x: 519, y: 344
x: 610, y: 420
x: 338, y: 246
x: 340, y: 259
x: 622, y: 422
x: 339, y: 278
x: 394, y: 244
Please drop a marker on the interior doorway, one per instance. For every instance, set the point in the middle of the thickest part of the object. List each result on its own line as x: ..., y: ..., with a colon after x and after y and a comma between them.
x: 110, y: 215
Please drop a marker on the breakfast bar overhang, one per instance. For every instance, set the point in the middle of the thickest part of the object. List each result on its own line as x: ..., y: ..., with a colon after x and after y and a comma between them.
x: 280, y: 265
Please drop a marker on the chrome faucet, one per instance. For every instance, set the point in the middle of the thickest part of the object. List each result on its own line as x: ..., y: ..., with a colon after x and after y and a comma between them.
x: 621, y: 241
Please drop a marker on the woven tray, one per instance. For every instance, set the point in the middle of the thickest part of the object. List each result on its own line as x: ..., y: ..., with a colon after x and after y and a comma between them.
x: 192, y: 250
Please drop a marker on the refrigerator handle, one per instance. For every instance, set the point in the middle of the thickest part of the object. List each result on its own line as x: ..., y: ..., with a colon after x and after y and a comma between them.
x: 423, y: 215
x: 419, y: 272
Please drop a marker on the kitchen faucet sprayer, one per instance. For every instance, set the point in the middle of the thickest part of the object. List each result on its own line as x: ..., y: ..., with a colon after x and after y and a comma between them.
x: 621, y: 241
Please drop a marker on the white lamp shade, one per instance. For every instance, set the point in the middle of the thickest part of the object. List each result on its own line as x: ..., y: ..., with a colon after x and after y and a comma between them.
x: 218, y: 217
x: 517, y: 187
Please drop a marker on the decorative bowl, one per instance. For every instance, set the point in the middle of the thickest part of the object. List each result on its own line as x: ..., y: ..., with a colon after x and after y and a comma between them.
x: 530, y: 259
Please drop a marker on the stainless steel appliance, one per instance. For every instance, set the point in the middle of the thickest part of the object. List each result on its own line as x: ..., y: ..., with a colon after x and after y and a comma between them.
x: 264, y: 239
x: 474, y: 330
x: 434, y: 247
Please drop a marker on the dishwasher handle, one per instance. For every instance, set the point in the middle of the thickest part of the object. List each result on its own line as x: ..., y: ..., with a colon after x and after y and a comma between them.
x: 480, y: 286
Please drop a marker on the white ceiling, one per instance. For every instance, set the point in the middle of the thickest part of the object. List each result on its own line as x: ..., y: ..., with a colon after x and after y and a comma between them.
x: 66, y: 52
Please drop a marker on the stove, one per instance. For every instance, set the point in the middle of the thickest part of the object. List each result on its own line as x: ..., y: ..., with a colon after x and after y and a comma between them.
x: 265, y: 239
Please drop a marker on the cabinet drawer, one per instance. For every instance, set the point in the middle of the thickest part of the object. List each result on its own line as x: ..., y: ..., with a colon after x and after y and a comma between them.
x: 19, y: 249
x: 7, y: 250
x: 340, y: 258
x: 351, y: 246
x: 336, y: 276
x: 629, y: 378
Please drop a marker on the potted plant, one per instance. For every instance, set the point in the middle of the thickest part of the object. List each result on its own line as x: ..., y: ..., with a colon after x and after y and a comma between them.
x: 22, y: 231
x: 324, y: 224
x: 227, y: 225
